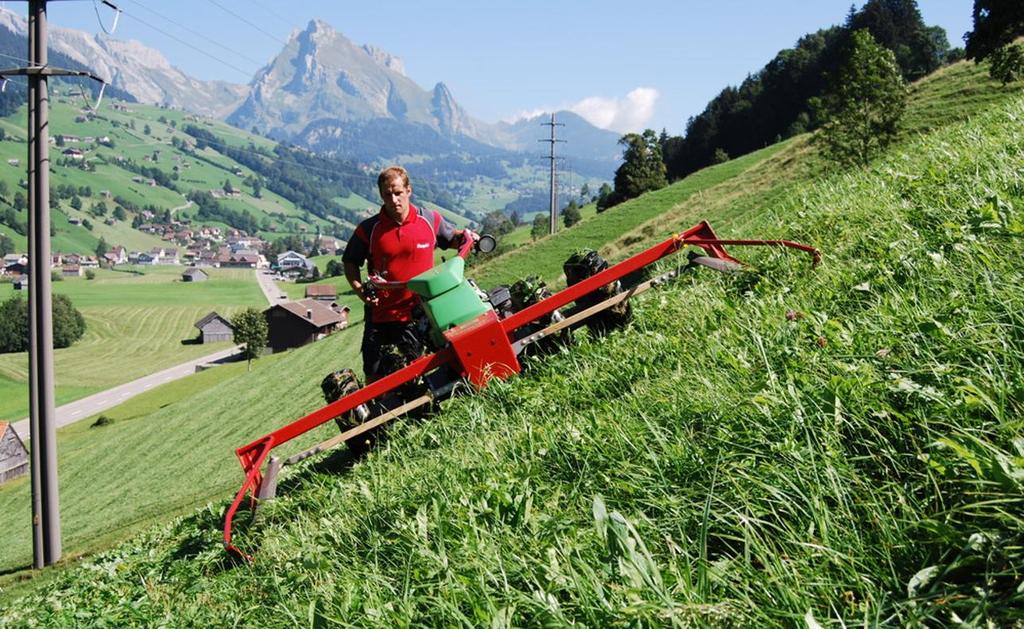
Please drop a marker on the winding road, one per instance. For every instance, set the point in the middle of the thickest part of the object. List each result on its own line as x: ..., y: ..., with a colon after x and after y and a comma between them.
x: 98, y: 402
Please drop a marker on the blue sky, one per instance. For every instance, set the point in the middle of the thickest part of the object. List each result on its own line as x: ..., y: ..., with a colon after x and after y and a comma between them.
x: 623, y: 65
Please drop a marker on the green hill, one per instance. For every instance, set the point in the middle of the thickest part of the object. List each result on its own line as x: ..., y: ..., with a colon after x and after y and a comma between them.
x: 784, y: 446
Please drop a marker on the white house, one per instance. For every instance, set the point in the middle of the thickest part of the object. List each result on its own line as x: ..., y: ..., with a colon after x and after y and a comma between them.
x: 290, y: 260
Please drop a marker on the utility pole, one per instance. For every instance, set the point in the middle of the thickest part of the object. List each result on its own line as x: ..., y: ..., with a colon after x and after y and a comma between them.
x: 553, y: 224
x: 46, y: 539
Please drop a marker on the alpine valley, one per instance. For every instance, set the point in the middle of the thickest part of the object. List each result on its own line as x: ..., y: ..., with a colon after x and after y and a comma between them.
x: 351, y: 107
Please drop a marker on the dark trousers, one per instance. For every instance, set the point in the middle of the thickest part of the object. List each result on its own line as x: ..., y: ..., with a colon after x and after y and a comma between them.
x: 388, y: 347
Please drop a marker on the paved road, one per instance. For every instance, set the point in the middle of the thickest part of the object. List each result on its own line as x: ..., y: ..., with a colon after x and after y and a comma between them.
x: 80, y: 409
x: 274, y: 295
x: 86, y: 407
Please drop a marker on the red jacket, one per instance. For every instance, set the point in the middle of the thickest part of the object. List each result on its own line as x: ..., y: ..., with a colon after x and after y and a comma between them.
x: 398, y: 253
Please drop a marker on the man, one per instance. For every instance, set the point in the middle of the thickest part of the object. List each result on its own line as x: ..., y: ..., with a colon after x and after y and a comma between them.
x: 397, y: 244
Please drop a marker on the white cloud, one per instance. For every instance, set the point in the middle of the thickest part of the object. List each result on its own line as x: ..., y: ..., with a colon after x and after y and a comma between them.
x: 619, y: 114
x: 525, y: 115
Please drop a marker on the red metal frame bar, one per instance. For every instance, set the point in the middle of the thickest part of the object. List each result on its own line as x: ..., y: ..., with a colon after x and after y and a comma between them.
x: 471, y: 361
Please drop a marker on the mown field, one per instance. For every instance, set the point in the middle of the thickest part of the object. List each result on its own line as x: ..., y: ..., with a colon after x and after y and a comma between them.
x: 834, y: 446
x: 787, y: 446
x: 170, y: 448
x: 135, y: 325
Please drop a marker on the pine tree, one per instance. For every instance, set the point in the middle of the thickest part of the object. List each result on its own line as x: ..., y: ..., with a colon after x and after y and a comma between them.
x: 865, y: 104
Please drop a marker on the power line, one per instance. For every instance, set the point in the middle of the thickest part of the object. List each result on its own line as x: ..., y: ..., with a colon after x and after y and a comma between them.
x: 196, y: 33
x: 272, y: 13
x: 246, y: 21
x: 22, y: 60
x: 189, y: 45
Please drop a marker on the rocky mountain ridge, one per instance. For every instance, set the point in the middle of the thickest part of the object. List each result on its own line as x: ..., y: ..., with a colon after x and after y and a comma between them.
x: 137, y: 69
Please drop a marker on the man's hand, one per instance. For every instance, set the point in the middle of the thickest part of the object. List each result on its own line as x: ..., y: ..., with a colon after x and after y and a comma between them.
x: 367, y: 294
x: 463, y: 238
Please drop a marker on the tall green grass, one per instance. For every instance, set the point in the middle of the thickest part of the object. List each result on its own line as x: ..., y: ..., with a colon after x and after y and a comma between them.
x: 785, y: 446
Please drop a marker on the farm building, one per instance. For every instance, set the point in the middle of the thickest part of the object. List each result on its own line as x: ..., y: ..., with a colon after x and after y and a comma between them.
x: 13, y: 455
x: 194, y: 275
x: 297, y: 323
x: 322, y: 292
x: 214, y: 328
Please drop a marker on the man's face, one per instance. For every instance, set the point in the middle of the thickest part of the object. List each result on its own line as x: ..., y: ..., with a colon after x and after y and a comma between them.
x: 396, y: 199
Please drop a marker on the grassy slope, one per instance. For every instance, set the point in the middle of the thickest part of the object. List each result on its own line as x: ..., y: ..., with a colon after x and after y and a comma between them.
x: 135, y: 325
x: 185, y: 430
x: 201, y: 174
x: 544, y: 257
x: 508, y: 532
x: 732, y: 195
x: 720, y: 462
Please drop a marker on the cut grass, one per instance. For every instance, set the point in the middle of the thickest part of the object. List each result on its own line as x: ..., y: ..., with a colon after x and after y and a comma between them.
x: 161, y: 435
x: 135, y: 325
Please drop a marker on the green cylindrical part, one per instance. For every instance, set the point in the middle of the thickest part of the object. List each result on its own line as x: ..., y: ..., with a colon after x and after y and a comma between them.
x: 448, y: 299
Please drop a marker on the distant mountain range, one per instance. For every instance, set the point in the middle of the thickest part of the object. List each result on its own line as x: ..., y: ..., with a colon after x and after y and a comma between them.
x: 142, y: 72
x: 325, y: 93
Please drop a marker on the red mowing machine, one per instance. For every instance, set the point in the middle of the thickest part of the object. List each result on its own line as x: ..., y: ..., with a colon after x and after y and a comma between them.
x: 478, y: 336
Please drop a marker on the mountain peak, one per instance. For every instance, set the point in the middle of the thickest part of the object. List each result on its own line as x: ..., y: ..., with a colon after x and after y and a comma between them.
x: 317, y: 25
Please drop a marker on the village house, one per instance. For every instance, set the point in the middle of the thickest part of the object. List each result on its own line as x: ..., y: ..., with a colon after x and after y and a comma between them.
x: 120, y: 254
x: 208, y: 257
x: 74, y: 154
x: 145, y: 257
x: 71, y: 270
x: 15, y: 258
x: 194, y: 274
x: 13, y: 455
x: 170, y: 256
x: 214, y: 328
x: 322, y: 292
x: 290, y: 260
x: 241, y: 261
x: 329, y: 245
x: 297, y: 323
x: 16, y: 269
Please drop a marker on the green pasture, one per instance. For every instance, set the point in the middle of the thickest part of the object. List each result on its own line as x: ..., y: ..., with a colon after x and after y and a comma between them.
x: 136, y: 325
x: 179, y: 456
